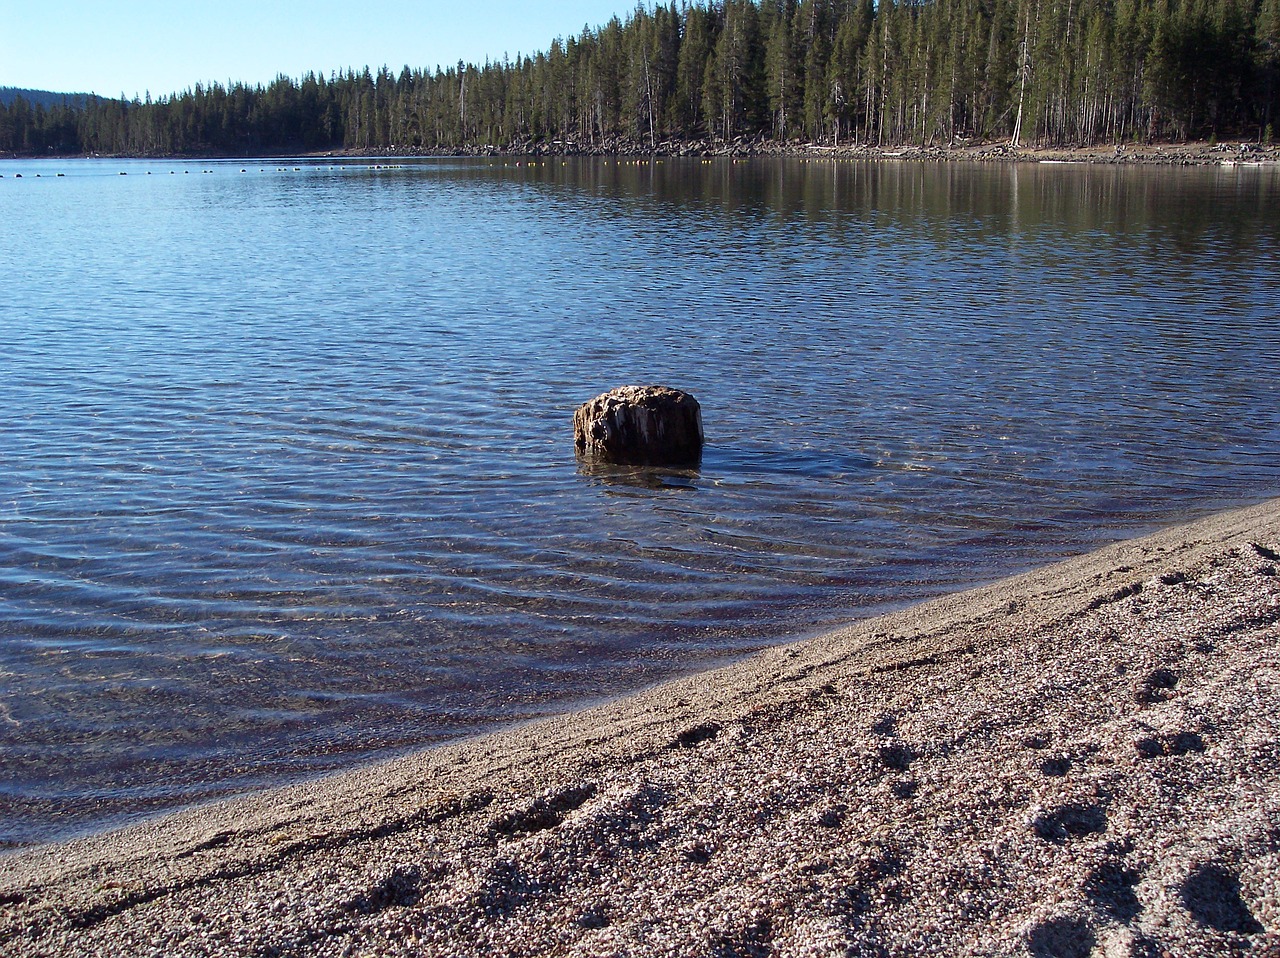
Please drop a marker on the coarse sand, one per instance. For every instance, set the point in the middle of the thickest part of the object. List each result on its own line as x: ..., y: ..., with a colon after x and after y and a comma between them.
x: 1082, y: 760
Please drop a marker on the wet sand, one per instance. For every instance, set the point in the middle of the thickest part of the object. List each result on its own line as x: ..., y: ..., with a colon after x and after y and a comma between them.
x: 1081, y: 760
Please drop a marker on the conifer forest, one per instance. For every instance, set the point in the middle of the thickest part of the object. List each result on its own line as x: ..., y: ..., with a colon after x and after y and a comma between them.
x: 839, y: 72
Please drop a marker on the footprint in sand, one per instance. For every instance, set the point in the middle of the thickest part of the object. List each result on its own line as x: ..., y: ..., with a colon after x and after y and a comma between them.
x: 1171, y: 743
x: 1110, y: 887
x: 1055, y: 766
x: 1212, y: 894
x: 897, y: 756
x: 545, y: 812
x: 1156, y: 687
x: 692, y: 737
x: 1070, y: 821
x: 401, y: 887
x: 1063, y: 937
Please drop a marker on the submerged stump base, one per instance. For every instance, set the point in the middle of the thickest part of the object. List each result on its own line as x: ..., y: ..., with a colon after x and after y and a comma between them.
x: 640, y: 425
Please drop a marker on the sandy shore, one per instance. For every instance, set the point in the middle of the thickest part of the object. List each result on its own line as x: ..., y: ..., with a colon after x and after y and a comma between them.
x: 1081, y: 760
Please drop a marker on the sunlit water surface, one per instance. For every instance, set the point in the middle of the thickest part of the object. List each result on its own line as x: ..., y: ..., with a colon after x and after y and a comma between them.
x: 286, y: 468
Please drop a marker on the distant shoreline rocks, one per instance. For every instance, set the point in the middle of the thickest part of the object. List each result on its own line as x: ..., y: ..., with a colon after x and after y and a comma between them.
x: 1202, y: 153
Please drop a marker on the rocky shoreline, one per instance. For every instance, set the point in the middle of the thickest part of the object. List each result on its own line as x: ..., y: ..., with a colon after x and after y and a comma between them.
x: 1230, y: 153
x: 1083, y: 760
x: 1153, y: 154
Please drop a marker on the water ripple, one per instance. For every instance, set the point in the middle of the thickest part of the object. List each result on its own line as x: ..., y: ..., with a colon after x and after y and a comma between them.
x: 288, y: 481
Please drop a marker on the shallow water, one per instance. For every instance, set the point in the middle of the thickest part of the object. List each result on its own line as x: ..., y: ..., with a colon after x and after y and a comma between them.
x: 288, y: 476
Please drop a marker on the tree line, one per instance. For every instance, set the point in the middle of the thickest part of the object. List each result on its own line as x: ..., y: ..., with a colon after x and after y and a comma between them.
x: 842, y: 72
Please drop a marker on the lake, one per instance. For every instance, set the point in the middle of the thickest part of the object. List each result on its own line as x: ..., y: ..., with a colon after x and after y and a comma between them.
x: 287, y: 479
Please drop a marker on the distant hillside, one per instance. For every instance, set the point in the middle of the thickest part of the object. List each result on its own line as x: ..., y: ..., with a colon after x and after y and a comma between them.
x: 42, y: 98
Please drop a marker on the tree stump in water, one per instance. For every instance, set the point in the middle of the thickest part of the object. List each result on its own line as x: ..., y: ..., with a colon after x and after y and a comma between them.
x: 640, y: 425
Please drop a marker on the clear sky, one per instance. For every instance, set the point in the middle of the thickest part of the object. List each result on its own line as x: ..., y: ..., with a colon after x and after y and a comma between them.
x: 111, y: 47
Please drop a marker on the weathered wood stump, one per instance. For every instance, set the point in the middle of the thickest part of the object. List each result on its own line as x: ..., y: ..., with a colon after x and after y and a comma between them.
x: 640, y: 425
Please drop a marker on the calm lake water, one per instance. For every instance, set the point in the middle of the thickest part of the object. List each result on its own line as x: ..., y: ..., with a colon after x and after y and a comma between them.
x: 286, y: 465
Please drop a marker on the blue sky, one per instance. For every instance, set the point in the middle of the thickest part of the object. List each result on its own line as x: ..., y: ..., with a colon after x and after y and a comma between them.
x: 111, y: 47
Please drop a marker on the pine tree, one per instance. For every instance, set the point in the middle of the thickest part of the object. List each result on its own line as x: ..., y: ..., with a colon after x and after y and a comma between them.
x: 1267, y: 59
x: 782, y: 71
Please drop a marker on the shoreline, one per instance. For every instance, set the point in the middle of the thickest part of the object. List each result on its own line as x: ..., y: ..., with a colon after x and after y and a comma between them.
x: 1233, y: 152
x: 1085, y: 755
x: 1193, y: 153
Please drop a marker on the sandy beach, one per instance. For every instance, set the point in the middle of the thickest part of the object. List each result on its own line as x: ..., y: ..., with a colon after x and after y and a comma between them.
x: 1083, y: 760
